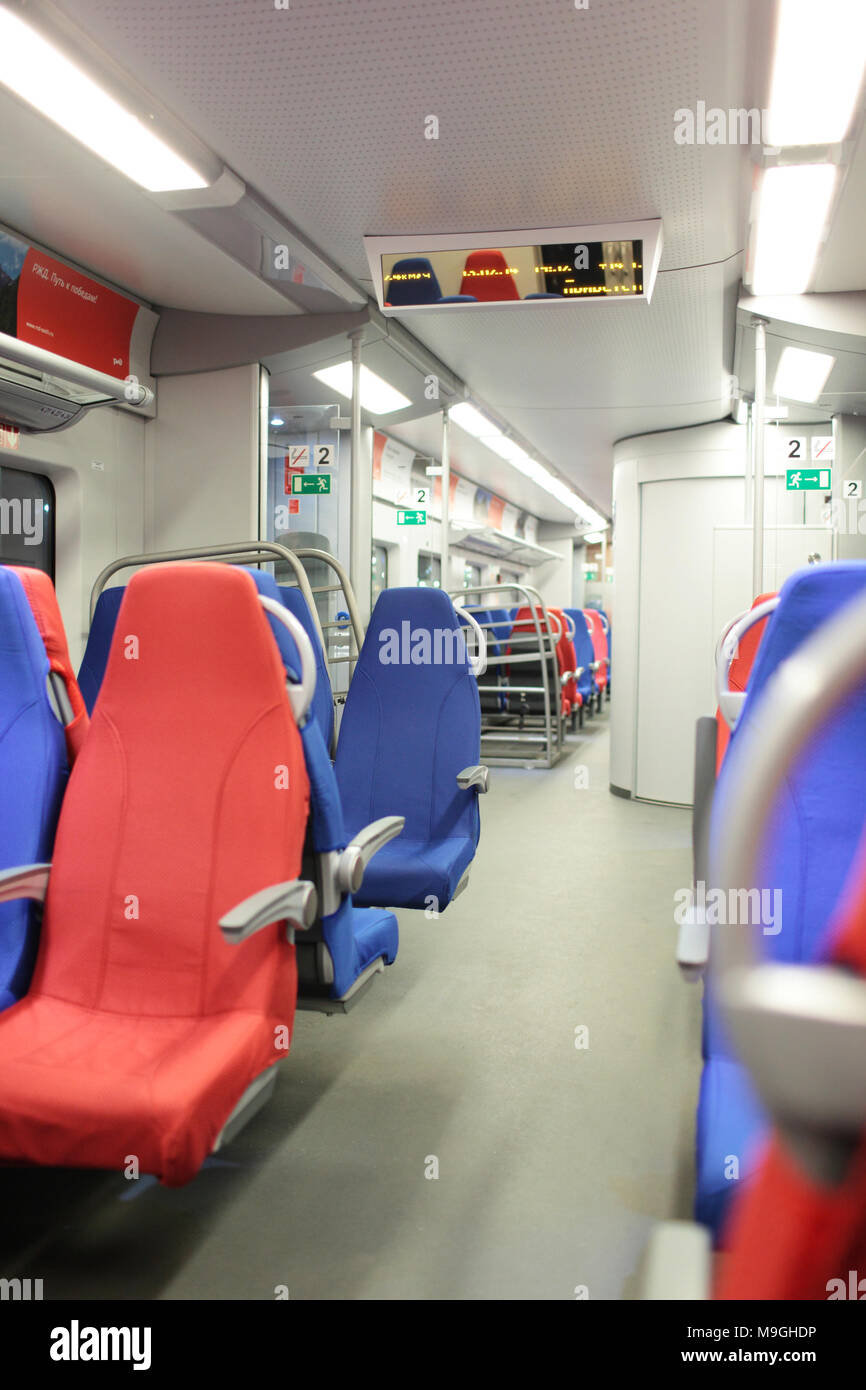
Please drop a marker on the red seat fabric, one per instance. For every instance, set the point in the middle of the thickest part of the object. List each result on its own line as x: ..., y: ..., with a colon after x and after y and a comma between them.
x: 43, y: 601
x: 599, y: 646
x: 738, y: 675
x: 143, y: 1026
x: 486, y: 275
x: 789, y: 1236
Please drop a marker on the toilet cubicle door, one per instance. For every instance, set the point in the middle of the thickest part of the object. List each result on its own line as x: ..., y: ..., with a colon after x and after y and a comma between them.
x: 676, y: 636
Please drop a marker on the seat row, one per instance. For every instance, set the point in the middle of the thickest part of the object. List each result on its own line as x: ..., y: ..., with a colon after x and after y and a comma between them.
x: 580, y: 640
x: 782, y: 1105
x: 202, y: 782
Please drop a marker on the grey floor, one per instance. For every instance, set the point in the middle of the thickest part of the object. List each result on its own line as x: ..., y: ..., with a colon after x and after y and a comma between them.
x: 553, y: 1161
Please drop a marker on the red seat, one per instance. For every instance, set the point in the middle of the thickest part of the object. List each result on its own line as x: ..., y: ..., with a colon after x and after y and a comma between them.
x: 144, y: 1027
x: 43, y: 601
x: 487, y: 276
x: 599, y: 647
x: 738, y: 674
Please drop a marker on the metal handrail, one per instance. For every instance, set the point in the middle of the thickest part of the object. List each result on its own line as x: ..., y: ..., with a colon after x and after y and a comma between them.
x: 39, y: 359
x: 801, y: 1029
x: 730, y: 702
x: 235, y: 553
x: 357, y: 625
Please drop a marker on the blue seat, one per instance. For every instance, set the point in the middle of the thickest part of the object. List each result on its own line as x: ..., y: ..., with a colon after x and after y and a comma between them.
x: 408, y: 728
x: 583, y: 648
x: 814, y: 833
x: 422, y: 290
x: 348, y: 944
x: 323, y: 700
x: 95, y: 657
x: 33, y: 772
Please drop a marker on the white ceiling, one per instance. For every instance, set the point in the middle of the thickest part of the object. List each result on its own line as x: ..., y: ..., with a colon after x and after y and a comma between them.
x: 55, y: 191
x: 548, y: 115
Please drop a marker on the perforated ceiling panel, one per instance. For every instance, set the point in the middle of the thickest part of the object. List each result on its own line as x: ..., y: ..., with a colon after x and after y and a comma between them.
x: 547, y: 115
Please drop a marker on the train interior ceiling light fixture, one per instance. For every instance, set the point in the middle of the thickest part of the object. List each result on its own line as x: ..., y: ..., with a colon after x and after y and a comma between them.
x: 610, y: 262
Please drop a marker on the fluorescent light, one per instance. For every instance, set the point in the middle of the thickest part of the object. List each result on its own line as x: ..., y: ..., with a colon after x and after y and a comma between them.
x: 43, y: 76
x: 593, y: 538
x: 817, y: 71
x: 503, y: 446
x: 472, y: 421
x: 793, y: 206
x: 801, y: 374
x: 377, y: 396
x: 276, y: 421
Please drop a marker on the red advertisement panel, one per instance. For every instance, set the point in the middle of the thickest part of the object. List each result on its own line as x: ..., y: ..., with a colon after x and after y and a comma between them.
x: 66, y: 312
x: 496, y: 512
x: 379, y: 442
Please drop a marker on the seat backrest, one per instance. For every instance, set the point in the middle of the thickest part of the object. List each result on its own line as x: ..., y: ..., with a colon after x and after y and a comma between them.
x: 599, y: 645
x: 412, y: 720
x: 739, y: 673
x: 190, y: 795
x: 419, y: 287
x: 33, y: 773
x: 487, y: 276
x: 99, y: 639
x: 323, y: 700
x: 43, y: 602
x: 821, y: 808
x: 583, y: 650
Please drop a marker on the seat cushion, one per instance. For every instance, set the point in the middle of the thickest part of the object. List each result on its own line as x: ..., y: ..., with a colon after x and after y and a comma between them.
x: 87, y: 1088
x: 731, y: 1129
x: 406, y: 873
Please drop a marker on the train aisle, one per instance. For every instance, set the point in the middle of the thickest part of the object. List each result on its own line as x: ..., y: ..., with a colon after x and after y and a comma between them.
x: 554, y: 1159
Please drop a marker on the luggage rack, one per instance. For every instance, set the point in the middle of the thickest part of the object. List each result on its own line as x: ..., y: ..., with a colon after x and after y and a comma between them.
x: 342, y: 636
x: 231, y: 552
x: 515, y: 734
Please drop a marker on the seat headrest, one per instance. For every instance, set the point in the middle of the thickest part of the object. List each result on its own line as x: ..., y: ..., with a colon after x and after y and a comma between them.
x: 43, y: 603
x: 177, y: 623
x: 23, y: 659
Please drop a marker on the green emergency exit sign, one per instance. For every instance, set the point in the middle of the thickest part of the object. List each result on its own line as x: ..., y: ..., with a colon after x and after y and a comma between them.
x: 310, y: 482
x: 808, y: 480
x: 411, y: 518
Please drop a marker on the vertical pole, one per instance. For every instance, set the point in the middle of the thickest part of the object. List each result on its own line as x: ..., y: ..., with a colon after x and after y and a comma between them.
x: 758, y: 453
x: 360, y: 495
x: 446, y: 499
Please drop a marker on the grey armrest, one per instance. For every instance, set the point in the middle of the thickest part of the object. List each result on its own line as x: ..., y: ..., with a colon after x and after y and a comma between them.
x: 594, y: 665
x: 476, y: 776
x: 367, y: 842
x: 27, y: 881
x: 693, y: 942
x: 294, y: 902
x: 579, y: 672
x: 678, y: 1262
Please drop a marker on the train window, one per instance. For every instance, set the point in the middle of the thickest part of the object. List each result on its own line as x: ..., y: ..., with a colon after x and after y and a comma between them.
x: 380, y: 570
x: 26, y: 519
x: 429, y: 571
x: 471, y: 576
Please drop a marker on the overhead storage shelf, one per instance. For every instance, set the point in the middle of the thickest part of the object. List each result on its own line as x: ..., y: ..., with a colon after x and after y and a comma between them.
x: 488, y: 541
